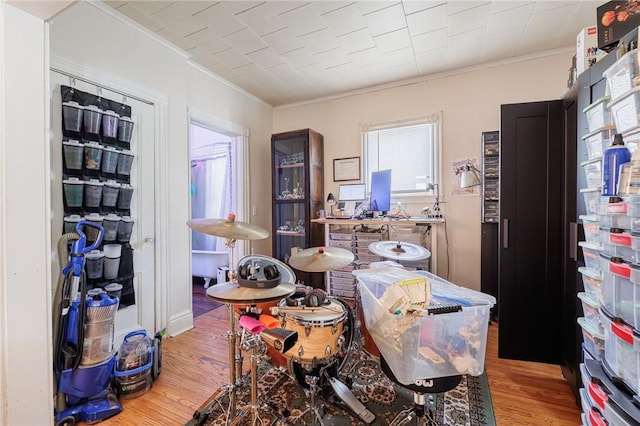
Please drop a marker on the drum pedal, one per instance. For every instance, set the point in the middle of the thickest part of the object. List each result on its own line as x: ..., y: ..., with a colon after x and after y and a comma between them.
x: 344, y: 393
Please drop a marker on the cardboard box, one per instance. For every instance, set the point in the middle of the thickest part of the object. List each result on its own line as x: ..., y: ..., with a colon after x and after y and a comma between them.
x: 587, y: 52
x: 615, y: 19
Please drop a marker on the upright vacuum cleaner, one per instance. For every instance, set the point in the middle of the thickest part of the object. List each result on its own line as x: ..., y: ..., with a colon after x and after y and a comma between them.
x: 83, y: 325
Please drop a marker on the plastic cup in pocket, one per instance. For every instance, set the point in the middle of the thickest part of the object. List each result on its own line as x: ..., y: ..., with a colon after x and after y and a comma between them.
x: 92, y: 155
x: 110, y: 124
x: 92, y: 193
x: 70, y: 222
x: 125, y: 129
x: 72, y: 113
x: 91, y: 231
x: 73, y: 192
x: 112, y: 254
x: 125, y: 160
x: 94, y: 264
x: 125, y: 196
x: 109, y: 160
x: 110, y: 193
x: 72, y: 151
x: 92, y: 115
x: 125, y: 228
x: 110, y: 225
x: 114, y: 290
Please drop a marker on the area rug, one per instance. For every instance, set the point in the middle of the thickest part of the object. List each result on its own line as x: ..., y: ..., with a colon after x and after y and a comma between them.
x: 283, y: 398
x: 201, y: 303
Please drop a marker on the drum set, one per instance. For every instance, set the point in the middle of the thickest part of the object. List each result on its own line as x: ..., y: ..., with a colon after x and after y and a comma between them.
x: 302, y: 328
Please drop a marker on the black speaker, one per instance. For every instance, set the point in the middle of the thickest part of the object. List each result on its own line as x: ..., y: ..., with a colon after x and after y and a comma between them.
x: 255, y: 275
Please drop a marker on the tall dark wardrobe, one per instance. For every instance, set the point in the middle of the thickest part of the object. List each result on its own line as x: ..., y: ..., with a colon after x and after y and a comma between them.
x: 539, y: 230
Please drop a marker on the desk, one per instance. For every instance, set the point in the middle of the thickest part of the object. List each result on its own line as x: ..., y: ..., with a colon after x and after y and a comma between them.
x: 393, y: 225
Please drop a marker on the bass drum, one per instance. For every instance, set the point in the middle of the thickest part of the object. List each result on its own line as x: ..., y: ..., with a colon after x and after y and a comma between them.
x: 286, y: 276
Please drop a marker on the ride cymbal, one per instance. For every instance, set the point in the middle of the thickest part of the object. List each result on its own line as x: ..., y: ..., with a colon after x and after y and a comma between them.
x: 321, y: 259
x: 233, y: 294
x: 399, y: 250
x: 228, y: 228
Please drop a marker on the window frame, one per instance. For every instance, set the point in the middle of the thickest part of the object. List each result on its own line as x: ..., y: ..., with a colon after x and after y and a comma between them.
x: 434, y: 119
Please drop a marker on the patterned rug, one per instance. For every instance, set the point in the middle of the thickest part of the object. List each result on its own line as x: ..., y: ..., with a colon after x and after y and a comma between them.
x: 283, y: 399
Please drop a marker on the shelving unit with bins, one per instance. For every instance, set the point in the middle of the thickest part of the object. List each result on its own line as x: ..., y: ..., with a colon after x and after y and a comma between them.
x: 491, y: 177
x: 298, y: 193
x: 611, y: 345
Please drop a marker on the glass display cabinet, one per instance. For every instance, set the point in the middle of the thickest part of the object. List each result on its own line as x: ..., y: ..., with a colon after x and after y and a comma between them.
x: 298, y: 194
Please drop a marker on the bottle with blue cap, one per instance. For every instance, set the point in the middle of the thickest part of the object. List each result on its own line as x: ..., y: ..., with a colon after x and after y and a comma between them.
x: 612, y: 158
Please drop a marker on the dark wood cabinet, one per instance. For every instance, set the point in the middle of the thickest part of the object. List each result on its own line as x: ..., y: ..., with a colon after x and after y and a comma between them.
x: 298, y: 193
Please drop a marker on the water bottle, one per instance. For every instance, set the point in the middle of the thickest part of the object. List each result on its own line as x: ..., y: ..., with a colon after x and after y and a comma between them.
x: 614, y: 156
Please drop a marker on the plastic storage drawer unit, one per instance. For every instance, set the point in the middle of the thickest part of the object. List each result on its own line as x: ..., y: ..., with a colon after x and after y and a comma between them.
x: 598, y: 115
x: 592, y: 282
x: 598, y: 140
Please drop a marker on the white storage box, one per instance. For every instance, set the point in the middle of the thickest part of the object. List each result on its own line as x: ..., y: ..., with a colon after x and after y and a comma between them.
x: 592, y: 282
x: 429, y: 346
x: 598, y: 115
x: 591, y: 226
x: 625, y: 111
x: 620, y: 76
x: 591, y: 199
x: 590, y: 309
x: 591, y: 253
x: 598, y: 140
x: 619, y: 280
x: 593, y: 172
x: 593, y: 339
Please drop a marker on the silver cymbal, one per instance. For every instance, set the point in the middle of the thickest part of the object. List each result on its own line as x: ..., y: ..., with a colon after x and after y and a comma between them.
x: 397, y: 250
x: 232, y: 293
x: 321, y: 259
x: 228, y: 228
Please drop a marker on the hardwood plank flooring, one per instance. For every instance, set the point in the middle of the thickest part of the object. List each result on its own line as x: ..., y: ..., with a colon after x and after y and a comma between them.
x: 195, y: 365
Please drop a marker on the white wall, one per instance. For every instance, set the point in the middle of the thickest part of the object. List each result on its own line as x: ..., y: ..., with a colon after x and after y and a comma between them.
x: 470, y: 103
x: 25, y: 313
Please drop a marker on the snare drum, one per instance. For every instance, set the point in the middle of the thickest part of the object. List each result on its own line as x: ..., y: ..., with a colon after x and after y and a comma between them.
x: 319, y: 331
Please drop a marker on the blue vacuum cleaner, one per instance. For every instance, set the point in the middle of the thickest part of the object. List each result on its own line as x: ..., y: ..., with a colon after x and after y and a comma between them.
x: 84, y: 358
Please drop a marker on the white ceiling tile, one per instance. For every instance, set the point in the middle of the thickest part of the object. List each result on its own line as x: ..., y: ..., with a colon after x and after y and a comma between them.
x: 545, y: 6
x: 509, y: 19
x: 331, y: 58
x: 393, y: 41
x: 413, y: 6
x: 238, y: 6
x: 323, y: 7
x: 463, y: 5
x: 365, y: 58
x: 537, y: 35
x: 471, y: 40
x: 430, y: 62
x: 283, y: 41
x: 320, y: 41
x: 232, y: 58
x: 224, y: 70
x: 344, y: 20
x: 429, y: 41
x: 261, y: 19
x: 399, y: 57
x: 356, y: 41
x: 146, y: 20
x: 501, y: 45
x: 469, y: 19
x: 219, y: 20
x: 266, y: 57
x: 203, y: 58
x: 303, y: 20
x: 245, y: 41
x: 190, y: 7
x: 299, y: 58
x: 283, y: 71
x: 179, y: 20
x: 169, y: 35
x: 503, y: 6
x: 427, y: 20
x: 373, y: 6
x: 150, y: 7
x: 386, y: 20
x: 209, y: 41
x: 281, y: 7
x: 463, y: 58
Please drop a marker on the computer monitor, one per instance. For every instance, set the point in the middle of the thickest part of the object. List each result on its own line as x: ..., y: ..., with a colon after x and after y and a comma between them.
x: 380, y: 191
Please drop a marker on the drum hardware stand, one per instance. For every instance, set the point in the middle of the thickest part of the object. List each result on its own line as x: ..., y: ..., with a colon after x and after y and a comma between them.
x: 312, y: 407
x: 254, y: 343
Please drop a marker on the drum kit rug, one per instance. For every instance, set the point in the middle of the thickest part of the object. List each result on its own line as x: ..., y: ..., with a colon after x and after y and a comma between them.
x: 312, y: 331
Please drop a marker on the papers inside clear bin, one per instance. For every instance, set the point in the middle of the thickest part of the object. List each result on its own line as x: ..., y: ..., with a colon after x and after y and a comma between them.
x: 431, y: 345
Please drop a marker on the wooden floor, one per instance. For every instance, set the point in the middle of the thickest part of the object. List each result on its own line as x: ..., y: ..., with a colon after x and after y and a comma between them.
x: 195, y: 365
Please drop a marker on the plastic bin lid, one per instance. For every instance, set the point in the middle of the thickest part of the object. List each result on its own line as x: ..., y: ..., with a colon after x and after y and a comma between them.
x: 624, y: 96
x: 595, y: 304
x: 590, y: 328
x: 610, y: 127
x: 583, y: 190
x: 591, y: 246
x: 591, y: 273
x: 589, y: 218
x: 593, y: 160
x: 596, y: 103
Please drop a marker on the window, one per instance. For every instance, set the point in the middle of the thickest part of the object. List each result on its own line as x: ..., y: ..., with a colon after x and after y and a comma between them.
x: 410, y: 150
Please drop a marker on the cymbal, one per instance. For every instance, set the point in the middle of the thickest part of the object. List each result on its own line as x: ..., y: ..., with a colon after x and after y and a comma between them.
x: 321, y: 259
x: 233, y: 294
x: 228, y: 228
x: 399, y: 250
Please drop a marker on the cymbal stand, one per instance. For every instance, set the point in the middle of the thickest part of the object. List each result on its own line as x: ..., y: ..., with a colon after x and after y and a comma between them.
x: 233, y: 341
x: 230, y: 243
x: 312, y: 407
x: 254, y: 343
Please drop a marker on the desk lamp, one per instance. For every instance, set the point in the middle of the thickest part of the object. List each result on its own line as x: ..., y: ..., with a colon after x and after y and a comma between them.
x: 331, y: 200
x: 469, y: 177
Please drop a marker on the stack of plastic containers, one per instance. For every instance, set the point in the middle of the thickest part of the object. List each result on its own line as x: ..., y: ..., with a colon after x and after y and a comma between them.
x: 611, y: 249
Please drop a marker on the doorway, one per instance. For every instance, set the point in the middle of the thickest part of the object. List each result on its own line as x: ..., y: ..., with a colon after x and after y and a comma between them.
x: 212, y: 162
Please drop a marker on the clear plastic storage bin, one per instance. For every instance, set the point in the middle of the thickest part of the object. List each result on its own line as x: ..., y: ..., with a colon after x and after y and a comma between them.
x: 619, y: 288
x: 593, y: 339
x: 625, y: 111
x: 621, y: 74
x: 429, y: 346
x: 593, y: 172
x: 591, y: 199
x: 598, y: 140
x: 590, y: 309
x: 591, y: 253
x: 598, y: 115
x: 592, y: 282
x: 591, y: 226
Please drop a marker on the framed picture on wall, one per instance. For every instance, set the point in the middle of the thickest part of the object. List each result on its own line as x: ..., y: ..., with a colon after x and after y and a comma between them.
x: 346, y: 169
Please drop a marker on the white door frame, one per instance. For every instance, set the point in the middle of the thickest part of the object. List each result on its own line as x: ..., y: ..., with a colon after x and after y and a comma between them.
x: 82, y: 71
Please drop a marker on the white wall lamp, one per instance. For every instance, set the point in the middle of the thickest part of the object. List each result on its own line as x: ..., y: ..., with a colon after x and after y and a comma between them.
x: 469, y: 177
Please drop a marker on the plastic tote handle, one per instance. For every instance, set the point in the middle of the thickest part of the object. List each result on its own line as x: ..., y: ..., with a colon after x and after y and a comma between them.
x: 135, y: 333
